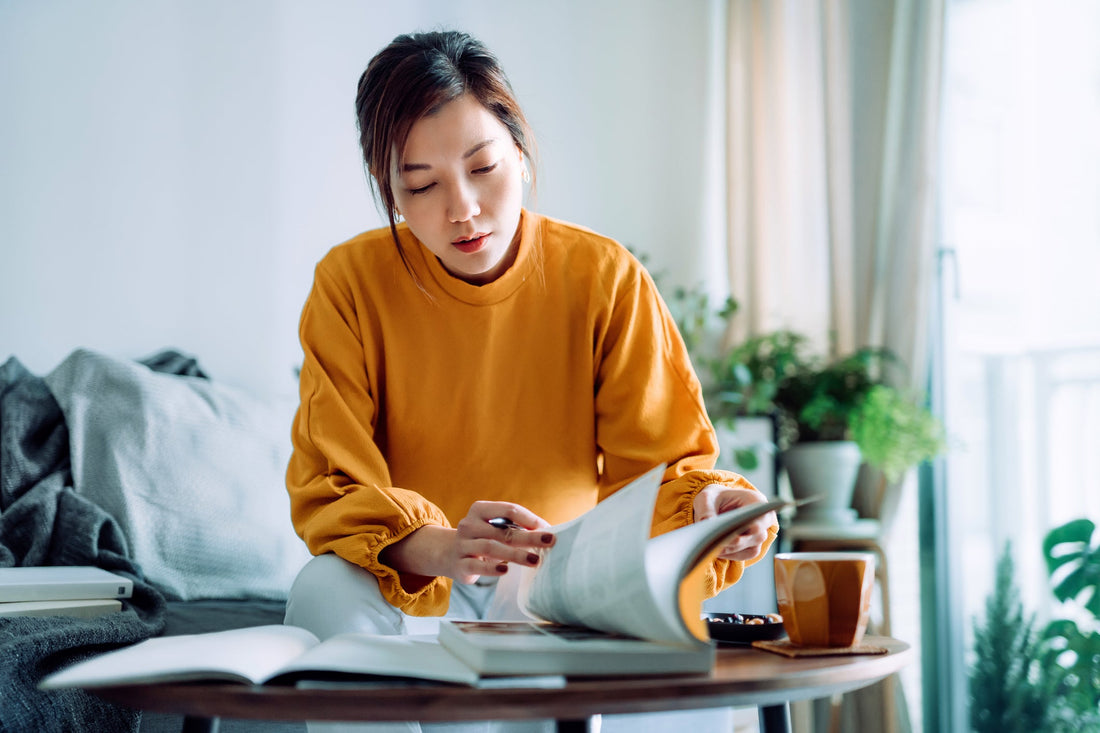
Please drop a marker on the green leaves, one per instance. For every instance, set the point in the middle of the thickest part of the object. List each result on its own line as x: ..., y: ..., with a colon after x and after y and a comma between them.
x: 746, y: 458
x: 1048, y: 681
x: 1071, y: 655
x: 894, y: 432
x: 1074, y: 563
x: 1071, y: 664
x: 812, y: 397
x: 748, y: 376
x: 1003, y: 698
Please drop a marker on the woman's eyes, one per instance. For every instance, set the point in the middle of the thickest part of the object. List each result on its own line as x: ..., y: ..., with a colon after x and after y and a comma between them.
x: 476, y: 171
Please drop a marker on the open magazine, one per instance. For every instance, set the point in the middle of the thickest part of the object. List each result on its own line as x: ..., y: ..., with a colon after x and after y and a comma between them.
x: 605, y: 573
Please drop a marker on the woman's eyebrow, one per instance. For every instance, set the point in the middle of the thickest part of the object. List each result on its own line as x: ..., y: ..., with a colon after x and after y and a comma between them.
x: 483, y: 144
x: 468, y: 154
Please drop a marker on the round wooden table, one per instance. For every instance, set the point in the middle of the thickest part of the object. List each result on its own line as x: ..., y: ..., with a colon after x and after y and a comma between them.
x: 742, y: 677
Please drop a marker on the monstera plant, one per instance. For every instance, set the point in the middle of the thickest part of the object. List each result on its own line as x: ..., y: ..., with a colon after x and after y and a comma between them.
x: 1070, y: 651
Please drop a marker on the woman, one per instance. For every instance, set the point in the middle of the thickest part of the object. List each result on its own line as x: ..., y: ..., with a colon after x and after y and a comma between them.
x: 477, y: 361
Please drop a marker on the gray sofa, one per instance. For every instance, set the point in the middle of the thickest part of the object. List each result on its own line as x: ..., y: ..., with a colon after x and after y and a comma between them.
x: 151, y: 470
x: 193, y: 471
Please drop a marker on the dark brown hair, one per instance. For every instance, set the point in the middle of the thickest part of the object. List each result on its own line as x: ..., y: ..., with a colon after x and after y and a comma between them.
x: 415, y: 75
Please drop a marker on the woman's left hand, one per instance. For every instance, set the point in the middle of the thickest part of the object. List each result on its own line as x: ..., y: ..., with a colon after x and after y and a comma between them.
x: 748, y: 543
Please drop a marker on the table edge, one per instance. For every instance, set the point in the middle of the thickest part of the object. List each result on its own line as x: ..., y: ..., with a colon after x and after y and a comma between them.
x: 457, y: 703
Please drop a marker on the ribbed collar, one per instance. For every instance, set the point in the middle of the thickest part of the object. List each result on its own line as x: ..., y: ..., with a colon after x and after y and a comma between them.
x: 438, y: 281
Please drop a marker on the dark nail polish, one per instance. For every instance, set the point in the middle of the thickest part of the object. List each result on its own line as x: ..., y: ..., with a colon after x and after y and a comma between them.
x: 502, y: 568
x: 532, y: 558
x: 547, y: 538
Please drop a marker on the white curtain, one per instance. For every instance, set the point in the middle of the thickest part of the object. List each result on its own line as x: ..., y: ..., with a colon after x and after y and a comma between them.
x: 831, y: 146
x: 832, y: 120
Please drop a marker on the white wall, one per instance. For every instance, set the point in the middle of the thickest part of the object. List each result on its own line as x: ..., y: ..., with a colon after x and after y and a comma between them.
x: 171, y: 171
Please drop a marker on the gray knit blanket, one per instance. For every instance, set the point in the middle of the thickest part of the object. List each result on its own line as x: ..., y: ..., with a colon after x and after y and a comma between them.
x: 44, y: 521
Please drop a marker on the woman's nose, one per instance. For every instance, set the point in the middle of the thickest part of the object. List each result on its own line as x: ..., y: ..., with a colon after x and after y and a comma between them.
x: 462, y: 205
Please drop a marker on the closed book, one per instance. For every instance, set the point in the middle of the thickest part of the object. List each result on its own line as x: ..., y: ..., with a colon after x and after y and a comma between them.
x: 80, y: 609
x: 61, y: 583
x: 521, y: 647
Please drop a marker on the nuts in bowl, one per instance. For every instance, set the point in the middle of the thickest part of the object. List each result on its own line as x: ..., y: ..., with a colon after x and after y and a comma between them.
x: 744, y: 628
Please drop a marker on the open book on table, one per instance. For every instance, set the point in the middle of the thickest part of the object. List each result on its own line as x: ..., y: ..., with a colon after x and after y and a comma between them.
x: 606, y: 599
x: 265, y: 654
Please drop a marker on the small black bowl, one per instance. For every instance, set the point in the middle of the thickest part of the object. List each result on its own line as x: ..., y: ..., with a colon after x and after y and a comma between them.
x: 731, y: 627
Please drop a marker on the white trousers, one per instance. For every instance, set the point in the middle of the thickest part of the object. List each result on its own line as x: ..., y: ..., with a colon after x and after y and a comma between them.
x: 331, y: 596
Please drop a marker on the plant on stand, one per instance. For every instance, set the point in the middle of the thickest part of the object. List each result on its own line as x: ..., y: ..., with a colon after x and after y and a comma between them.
x: 831, y: 416
x: 834, y: 416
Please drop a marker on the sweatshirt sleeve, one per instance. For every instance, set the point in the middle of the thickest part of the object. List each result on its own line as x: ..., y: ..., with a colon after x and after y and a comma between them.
x: 649, y: 409
x: 341, y: 497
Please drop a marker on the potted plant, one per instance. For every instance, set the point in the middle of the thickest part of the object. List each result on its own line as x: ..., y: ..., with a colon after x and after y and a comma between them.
x: 829, y: 417
x: 833, y: 416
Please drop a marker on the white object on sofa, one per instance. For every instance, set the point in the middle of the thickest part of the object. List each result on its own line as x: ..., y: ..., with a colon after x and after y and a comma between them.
x: 192, y: 470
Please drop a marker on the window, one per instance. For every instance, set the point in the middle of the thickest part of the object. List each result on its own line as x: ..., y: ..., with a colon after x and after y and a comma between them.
x: 1020, y: 218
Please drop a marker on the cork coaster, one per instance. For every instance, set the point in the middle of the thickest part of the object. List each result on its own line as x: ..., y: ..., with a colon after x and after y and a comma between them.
x: 787, y: 649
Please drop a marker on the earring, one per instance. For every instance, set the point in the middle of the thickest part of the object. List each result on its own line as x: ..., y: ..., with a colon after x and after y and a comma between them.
x: 525, y: 176
x: 396, y: 214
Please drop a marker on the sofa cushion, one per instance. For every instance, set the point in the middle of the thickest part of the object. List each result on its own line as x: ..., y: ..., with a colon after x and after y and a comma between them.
x: 203, y: 617
x: 192, y: 470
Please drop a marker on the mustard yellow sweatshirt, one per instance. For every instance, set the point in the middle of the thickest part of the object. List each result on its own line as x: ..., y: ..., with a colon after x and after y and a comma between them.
x: 551, y: 387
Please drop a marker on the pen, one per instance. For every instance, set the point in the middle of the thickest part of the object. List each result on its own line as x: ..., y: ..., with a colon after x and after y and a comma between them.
x: 504, y: 523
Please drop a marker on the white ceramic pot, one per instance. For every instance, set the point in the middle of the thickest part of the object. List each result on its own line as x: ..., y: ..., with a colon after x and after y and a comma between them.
x: 826, y: 469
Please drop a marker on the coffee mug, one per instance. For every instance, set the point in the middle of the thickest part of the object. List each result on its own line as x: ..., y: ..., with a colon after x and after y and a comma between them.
x: 824, y: 597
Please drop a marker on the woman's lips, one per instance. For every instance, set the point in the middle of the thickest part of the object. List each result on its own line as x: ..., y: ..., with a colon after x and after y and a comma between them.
x: 469, y: 245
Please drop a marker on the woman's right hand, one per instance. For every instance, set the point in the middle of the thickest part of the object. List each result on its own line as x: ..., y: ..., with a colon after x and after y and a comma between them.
x: 475, y: 547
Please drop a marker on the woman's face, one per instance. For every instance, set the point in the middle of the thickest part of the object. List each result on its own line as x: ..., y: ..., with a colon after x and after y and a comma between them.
x: 458, y: 184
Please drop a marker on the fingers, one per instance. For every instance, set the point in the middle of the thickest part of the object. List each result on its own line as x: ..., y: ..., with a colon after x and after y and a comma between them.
x: 507, y: 523
x: 518, y: 515
x: 714, y: 499
x: 742, y: 555
x: 491, y: 551
x: 494, y: 535
x: 493, y: 566
x: 749, y: 542
x: 490, y: 561
x: 705, y: 505
x: 516, y: 537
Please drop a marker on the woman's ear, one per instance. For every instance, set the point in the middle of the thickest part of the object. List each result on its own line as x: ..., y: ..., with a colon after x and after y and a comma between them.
x: 524, y: 173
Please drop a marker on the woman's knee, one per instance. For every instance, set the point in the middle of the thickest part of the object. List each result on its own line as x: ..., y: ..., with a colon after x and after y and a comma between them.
x: 331, y: 596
